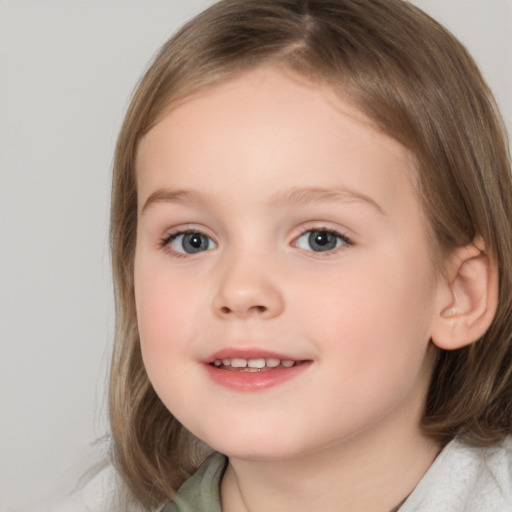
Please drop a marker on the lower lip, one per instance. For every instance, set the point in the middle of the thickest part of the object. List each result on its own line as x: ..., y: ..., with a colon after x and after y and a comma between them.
x: 254, y: 381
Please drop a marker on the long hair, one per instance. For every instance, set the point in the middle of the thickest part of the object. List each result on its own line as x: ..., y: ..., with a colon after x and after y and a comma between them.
x: 418, y: 84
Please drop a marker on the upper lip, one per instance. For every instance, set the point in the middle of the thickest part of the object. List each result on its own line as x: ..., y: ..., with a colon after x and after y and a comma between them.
x: 249, y: 353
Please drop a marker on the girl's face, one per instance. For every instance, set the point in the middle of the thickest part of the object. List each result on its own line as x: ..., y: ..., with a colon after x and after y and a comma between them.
x: 284, y: 289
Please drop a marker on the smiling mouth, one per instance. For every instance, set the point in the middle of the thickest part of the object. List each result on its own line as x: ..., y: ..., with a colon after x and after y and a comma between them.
x: 253, y: 365
x: 253, y: 370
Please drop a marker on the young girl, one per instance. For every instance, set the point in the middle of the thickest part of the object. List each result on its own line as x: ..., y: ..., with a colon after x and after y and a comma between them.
x: 312, y: 255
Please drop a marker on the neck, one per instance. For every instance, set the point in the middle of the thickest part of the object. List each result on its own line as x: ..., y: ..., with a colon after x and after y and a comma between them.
x: 369, y: 472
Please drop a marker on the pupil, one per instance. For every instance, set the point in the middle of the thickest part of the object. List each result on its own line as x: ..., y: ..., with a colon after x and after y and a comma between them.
x: 194, y: 242
x: 322, y: 241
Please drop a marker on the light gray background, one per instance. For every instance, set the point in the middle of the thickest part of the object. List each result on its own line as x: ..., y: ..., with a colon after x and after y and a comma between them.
x: 67, y: 68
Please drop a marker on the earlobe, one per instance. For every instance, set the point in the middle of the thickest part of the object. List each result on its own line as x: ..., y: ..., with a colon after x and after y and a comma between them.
x: 467, y: 301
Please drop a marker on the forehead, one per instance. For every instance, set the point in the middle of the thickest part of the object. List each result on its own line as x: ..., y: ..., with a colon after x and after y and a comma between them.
x: 264, y: 117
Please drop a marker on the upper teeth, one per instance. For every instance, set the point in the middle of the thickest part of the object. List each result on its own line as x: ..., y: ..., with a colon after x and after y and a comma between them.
x: 270, y: 362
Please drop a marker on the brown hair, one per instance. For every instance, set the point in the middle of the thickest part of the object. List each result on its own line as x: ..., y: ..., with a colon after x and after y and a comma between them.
x: 419, y: 85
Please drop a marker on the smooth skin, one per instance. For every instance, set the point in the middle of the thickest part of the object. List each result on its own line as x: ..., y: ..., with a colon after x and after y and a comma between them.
x: 252, y: 168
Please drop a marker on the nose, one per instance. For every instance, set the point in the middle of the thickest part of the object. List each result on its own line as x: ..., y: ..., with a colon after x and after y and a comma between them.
x: 248, y: 288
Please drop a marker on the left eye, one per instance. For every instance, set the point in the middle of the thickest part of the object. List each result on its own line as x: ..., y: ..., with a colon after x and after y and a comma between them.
x: 190, y: 243
x: 321, y: 240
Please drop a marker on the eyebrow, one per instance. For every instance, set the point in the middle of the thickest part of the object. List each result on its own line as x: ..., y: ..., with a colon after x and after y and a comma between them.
x: 164, y: 195
x: 294, y: 196
x: 319, y: 194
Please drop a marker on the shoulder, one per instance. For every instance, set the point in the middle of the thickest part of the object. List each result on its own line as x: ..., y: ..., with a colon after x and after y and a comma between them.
x: 103, y: 491
x: 466, y: 479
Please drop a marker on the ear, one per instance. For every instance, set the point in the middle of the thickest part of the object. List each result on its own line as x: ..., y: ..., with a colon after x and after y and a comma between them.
x: 467, y: 299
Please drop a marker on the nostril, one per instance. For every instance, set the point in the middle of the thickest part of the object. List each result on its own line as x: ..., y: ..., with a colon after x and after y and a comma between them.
x: 225, y: 310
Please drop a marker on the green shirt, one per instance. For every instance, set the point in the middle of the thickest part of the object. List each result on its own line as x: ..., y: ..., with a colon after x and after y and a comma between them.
x: 201, y: 492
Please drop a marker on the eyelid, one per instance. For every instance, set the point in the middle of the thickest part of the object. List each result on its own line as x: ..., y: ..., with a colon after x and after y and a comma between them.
x: 173, y: 232
x: 341, y: 231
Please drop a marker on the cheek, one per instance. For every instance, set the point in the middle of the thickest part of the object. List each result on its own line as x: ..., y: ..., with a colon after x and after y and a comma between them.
x: 165, y: 330
x: 371, y: 317
x: 373, y: 343
x: 163, y: 308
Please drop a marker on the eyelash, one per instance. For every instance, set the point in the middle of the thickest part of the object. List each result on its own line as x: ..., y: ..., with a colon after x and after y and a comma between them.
x: 346, y: 241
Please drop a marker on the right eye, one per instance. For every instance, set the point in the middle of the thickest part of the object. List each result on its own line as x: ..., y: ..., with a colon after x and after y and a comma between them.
x: 190, y: 242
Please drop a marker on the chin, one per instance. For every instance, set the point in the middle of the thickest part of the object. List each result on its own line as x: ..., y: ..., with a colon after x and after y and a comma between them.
x: 258, y: 447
